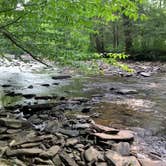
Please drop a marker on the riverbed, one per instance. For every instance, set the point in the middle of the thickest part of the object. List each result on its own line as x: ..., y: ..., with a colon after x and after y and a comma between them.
x: 136, y: 102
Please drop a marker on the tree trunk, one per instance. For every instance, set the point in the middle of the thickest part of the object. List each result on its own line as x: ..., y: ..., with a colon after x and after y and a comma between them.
x: 128, y: 34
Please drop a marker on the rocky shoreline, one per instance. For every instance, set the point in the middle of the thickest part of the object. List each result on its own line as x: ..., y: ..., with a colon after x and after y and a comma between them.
x: 67, y: 140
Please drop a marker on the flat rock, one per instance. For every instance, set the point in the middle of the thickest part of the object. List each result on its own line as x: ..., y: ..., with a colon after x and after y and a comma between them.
x: 91, y: 154
x: 145, y: 74
x: 71, y: 141
x: 149, y: 162
x: 61, y: 77
x: 43, y: 162
x: 123, y: 135
x: 127, y: 91
x: 71, y: 133
x: 81, y: 126
x: 116, y: 159
x: 26, y: 152
x: 105, y: 129
x: 50, y: 153
x: 13, y: 123
x: 67, y: 160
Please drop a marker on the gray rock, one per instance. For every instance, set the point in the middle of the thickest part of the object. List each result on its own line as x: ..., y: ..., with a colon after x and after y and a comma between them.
x: 43, y: 162
x: 67, y: 160
x: 115, y: 159
x: 126, y: 91
x: 91, y: 154
x: 71, y: 141
x: 145, y: 74
x: 13, y: 123
x: 57, y: 161
x: 50, y: 153
x: 26, y: 152
x: 61, y: 77
x: 123, y: 148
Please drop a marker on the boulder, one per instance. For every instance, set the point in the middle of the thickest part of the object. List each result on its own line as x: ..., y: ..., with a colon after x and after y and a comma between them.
x: 115, y: 159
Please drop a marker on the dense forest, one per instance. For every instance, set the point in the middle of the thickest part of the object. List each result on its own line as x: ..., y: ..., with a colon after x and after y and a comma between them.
x: 68, y: 31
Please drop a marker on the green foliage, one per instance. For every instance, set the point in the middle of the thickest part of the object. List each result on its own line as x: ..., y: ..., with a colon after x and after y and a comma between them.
x: 59, y: 29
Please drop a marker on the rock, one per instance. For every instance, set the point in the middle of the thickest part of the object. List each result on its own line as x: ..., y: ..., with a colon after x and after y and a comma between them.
x: 28, y: 96
x: 71, y: 133
x: 57, y: 161
x: 67, y: 160
x: 82, y: 117
x: 4, y: 162
x: 18, y: 162
x: 6, y: 85
x: 105, y: 129
x: 12, y: 131
x: 123, y: 135
x: 46, y: 85
x: 91, y: 154
x: 115, y: 159
x: 127, y: 91
x: 30, y: 145
x: 43, y: 162
x: 61, y: 77
x: 81, y: 126
x: 71, y: 141
x: 50, y: 153
x: 101, y: 164
x: 123, y: 148
x: 145, y: 74
x: 149, y: 162
x: 25, y: 152
x: 30, y: 87
x: 45, y: 97
x: 86, y: 109
x: 13, y: 123
x: 2, y: 130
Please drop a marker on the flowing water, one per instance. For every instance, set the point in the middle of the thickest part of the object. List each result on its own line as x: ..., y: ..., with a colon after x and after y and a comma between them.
x: 143, y: 112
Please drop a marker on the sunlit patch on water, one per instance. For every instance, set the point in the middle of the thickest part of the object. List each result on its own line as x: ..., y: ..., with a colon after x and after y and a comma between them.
x: 138, y: 104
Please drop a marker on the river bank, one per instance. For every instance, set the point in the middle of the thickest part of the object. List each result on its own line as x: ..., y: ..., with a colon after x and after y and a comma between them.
x: 51, y: 118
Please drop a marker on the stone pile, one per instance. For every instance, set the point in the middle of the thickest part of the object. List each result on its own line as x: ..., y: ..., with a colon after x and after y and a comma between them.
x: 75, y: 140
